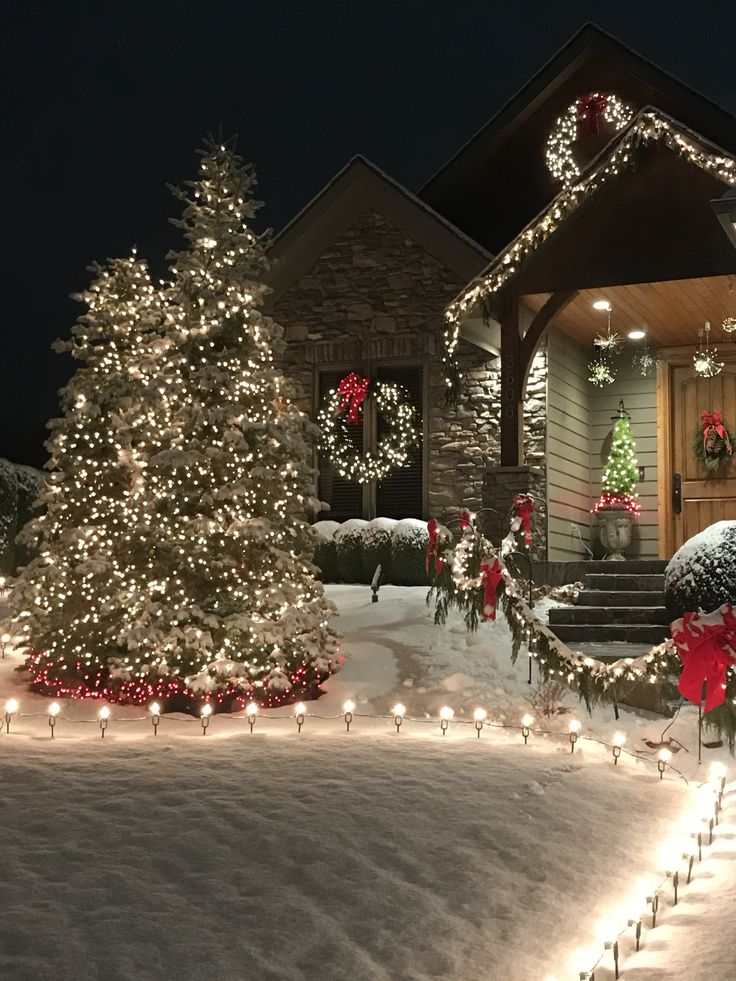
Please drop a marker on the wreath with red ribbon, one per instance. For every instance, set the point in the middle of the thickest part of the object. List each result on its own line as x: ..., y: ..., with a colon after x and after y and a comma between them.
x: 344, y: 406
x: 713, y: 443
x: 582, y: 119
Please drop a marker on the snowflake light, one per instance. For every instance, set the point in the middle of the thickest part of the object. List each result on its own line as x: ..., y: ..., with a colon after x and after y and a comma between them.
x: 644, y: 361
x: 601, y: 373
x: 729, y: 325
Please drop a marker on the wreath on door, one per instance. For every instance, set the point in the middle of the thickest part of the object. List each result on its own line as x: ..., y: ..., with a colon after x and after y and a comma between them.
x: 713, y: 443
x: 343, y: 405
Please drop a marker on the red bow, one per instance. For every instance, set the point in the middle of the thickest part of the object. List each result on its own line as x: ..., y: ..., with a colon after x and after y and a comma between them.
x: 464, y: 517
x: 524, y: 508
x: 353, y: 390
x: 705, y: 643
x: 492, y: 575
x: 590, y: 107
x: 433, y: 546
x: 714, y: 420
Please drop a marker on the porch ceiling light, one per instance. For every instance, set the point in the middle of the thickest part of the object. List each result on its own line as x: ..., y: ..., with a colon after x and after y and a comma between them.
x: 725, y: 210
x: 637, y: 334
x: 602, y: 305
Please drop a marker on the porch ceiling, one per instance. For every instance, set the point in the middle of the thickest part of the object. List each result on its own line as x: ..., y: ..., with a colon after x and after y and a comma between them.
x: 672, y: 310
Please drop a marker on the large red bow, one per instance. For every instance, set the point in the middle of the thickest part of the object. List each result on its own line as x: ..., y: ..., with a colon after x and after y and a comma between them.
x: 523, y: 510
x: 714, y: 420
x: 433, y: 546
x: 491, y: 574
x: 353, y: 390
x: 706, y: 643
x: 590, y: 108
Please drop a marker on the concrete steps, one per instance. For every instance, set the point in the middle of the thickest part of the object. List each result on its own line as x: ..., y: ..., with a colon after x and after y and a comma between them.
x: 622, y: 601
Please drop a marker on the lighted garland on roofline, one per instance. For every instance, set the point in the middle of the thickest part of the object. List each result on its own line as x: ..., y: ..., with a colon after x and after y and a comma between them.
x: 581, y: 118
x: 647, y: 127
x: 460, y: 581
x: 343, y: 405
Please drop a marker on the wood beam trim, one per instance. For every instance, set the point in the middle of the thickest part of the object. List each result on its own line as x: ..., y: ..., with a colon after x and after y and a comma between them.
x: 545, y: 315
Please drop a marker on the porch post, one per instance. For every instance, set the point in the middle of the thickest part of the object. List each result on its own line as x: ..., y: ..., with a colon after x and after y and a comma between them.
x: 511, y: 382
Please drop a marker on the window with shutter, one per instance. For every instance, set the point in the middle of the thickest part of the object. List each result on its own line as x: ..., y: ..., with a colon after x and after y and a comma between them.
x: 401, y: 494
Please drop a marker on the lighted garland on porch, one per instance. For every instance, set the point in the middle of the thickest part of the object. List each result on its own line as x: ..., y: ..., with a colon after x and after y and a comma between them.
x: 344, y: 404
x: 647, y: 127
x: 459, y: 582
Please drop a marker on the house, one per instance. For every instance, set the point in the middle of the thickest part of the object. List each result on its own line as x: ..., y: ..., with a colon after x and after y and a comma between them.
x: 603, y: 181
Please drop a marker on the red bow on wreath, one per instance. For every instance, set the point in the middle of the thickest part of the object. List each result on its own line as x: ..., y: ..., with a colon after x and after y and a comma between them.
x: 433, y: 546
x: 523, y: 510
x: 705, y: 643
x: 353, y: 391
x: 714, y: 420
x: 492, y: 575
x: 590, y: 108
x: 465, y: 519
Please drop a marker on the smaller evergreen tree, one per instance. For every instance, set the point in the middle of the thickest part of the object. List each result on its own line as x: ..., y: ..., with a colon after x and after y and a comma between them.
x: 621, y: 473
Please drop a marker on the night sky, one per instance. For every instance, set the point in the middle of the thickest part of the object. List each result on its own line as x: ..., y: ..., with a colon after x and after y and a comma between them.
x: 105, y: 102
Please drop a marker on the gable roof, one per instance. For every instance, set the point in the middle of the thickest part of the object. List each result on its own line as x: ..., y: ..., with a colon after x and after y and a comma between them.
x: 649, y: 126
x: 509, y: 149
x: 361, y: 186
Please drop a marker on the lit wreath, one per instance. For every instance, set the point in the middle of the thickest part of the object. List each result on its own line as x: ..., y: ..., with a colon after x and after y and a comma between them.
x: 394, y: 449
x: 581, y: 118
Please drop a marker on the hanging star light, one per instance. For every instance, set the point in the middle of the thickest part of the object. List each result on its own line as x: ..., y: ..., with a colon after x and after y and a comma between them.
x: 611, y: 342
x: 705, y: 359
x: 644, y: 361
x: 729, y: 325
x: 601, y: 373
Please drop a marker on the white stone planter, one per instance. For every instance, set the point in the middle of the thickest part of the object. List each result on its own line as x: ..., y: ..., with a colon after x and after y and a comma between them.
x: 614, y: 529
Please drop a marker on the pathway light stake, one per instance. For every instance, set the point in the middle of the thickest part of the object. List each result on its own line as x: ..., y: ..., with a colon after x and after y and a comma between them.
x: 252, y: 710
x: 480, y: 715
x: 526, y: 727
x: 4, y: 641
x: 689, y: 856
x: 698, y: 836
x: 11, y: 707
x: 300, y: 712
x: 399, y: 711
x: 446, y: 714
x: 205, y: 719
x: 653, y: 901
x: 155, y: 717
x: 612, y: 945
x: 619, y: 739
x: 54, y: 710
x: 663, y: 758
x: 575, y: 727
x: 104, y: 717
x: 636, y: 922
x: 348, y: 709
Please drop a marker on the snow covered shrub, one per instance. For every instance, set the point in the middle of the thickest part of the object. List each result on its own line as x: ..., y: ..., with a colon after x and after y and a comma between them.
x: 30, y: 484
x: 325, y: 549
x: 408, y: 552
x: 377, y: 547
x: 8, y: 514
x: 349, y: 549
x: 701, y: 574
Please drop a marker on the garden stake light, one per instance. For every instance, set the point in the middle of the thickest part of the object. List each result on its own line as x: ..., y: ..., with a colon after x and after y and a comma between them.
x: 104, y: 716
x: 618, y: 740
x: 300, y: 712
x: 205, y: 719
x: 446, y: 715
x: 252, y: 710
x: 348, y: 709
x: 399, y: 711
x: 155, y: 717
x: 663, y: 758
x: 526, y: 727
x: 53, y: 712
x: 575, y: 727
x: 480, y: 715
x: 11, y: 707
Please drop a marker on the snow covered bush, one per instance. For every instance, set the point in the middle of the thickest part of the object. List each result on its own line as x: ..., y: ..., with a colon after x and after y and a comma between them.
x: 408, y: 552
x: 349, y: 551
x: 8, y: 514
x: 30, y: 485
x: 325, y: 549
x: 702, y: 573
x: 377, y: 548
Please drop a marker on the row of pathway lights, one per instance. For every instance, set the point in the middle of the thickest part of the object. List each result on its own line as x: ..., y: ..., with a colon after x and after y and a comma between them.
x: 480, y: 719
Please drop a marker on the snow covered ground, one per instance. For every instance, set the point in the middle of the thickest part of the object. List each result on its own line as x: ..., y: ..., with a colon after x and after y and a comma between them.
x: 366, y: 855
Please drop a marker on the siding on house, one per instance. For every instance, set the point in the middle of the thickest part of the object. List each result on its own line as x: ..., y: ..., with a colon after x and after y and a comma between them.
x: 640, y: 399
x: 568, y: 447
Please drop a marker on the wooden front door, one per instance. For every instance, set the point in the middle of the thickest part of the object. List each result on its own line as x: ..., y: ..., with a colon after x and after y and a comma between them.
x: 693, y: 497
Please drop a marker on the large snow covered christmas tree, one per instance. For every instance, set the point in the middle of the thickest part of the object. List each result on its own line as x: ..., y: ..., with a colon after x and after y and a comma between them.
x: 224, y: 605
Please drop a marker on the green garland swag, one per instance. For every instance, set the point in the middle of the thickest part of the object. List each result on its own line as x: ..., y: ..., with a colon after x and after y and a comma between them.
x: 594, y: 681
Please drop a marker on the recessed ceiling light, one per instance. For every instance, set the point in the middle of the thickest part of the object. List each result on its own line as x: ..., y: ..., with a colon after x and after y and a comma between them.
x: 637, y: 334
x: 601, y: 305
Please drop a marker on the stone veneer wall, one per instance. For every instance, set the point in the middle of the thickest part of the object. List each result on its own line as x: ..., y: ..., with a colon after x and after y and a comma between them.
x: 376, y: 296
